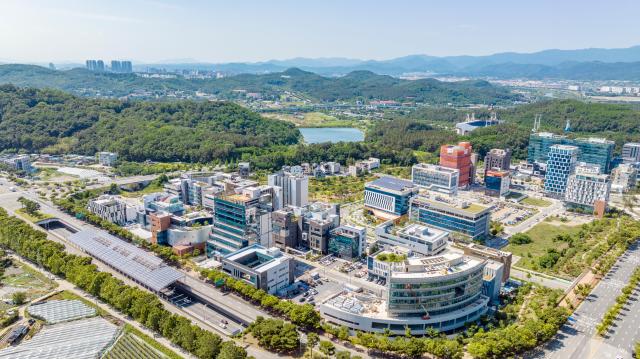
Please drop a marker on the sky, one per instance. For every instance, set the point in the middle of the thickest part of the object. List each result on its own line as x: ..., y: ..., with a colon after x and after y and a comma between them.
x: 148, y: 31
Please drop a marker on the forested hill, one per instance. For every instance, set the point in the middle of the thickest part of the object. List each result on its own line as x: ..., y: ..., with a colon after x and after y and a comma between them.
x: 358, y: 85
x: 49, y: 120
x: 620, y: 123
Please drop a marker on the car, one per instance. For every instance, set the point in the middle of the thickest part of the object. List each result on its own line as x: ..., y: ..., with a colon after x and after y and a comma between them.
x: 306, y: 294
x: 302, y: 299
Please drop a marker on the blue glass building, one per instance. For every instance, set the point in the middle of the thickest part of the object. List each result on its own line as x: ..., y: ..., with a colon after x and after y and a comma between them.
x: 389, y: 194
x: 470, y: 219
x: 597, y: 151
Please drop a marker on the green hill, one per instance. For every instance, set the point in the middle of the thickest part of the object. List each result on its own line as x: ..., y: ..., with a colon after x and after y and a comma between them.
x: 49, y: 120
x: 358, y: 85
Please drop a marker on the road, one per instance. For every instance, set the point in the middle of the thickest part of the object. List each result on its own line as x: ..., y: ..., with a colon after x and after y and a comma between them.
x: 202, y: 315
x: 542, y: 279
x: 577, y: 339
x: 555, y: 208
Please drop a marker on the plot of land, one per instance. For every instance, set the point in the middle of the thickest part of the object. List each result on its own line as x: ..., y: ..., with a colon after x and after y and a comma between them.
x: 130, y: 346
x: 538, y: 202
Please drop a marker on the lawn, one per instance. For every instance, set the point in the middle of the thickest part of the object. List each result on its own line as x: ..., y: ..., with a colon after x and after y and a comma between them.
x: 566, y: 251
x: 151, y: 188
x: 341, y: 189
x: 542, y: 235
x: 38, y: 216
x: 538, y: 202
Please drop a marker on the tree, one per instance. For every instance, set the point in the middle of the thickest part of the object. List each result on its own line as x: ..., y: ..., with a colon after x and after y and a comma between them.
x: 312, y: 341
x: 520, y: 238
x: 114, y: 189
x: 29, y: 206
x: 326, y: 347
x: 229, y: 350
x: 18, y: 298
x: 275, y: 334
x: 343, y: 354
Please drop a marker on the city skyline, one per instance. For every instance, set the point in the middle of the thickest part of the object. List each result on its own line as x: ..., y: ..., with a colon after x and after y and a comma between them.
x: 165, y: 31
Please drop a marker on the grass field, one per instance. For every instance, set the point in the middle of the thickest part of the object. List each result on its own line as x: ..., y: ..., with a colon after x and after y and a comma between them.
x: 341, y: 189
x: 151, y: 188
x: 542, y: 235
x: 538, y: 202
x: 315, y: 119
x: 38, y: 216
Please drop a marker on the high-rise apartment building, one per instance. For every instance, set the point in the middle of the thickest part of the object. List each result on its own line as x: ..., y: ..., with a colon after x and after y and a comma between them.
x: 459, y: 157
x: 435, y: 178
x: 497, y: 159
x: 588, y: 189
x: 631, y: 152
x: 295, y: 188
x: 560, y: 164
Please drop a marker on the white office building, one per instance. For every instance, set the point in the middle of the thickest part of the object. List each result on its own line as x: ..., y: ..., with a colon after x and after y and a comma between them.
x: 623, y: 178
x: 295, y: 188
x: 587, y: 188
x: 631, y: 152
x: 435, y: 178
x: 415, y: 237
x: 113, y: 209
x: 265, y: 268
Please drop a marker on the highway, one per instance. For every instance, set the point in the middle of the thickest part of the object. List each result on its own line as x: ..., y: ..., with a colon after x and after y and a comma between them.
x: 577, y: 339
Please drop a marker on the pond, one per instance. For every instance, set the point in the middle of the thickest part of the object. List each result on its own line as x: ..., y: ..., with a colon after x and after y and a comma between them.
x: 331, y: 134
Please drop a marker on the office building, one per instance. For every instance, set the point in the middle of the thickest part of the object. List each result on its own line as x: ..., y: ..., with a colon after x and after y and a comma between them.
x: 240, y: 217
x: 370, y: 164
x: 442, y: 292
x: 497, y: 183
x: 348, y: 242
x: 244, y: 169
x: 561, y: 163
x: 107, y: 158
x: 435, y: 178
x: 598, y: 151
x: 588, y: 189
x: 470, y: 219
x: 389, y: 196
x: 284, y: 229
x: 163, y: 202
x: 113, y: 209
x: 414, y: 237
x: 295, y: 188
x: 381, y: 263
x: 497, y: 159
x: 18, y: 162
x: 459, y: 157
x: 624, y: 177
x: 492, y: 281
x: 264, y: 268
x: 316, y: 222
x: 492, y: 254
x: 631, y: 152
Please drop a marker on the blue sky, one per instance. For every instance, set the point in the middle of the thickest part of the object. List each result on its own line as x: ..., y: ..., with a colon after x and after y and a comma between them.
x: 224, y: 31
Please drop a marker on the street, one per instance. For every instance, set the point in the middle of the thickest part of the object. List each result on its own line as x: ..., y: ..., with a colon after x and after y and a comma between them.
x: 577, y: 338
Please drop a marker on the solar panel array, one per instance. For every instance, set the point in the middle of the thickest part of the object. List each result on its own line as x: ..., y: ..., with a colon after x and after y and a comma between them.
x: 134, y: 262
x: 80, y: 339
x: 56, y: 311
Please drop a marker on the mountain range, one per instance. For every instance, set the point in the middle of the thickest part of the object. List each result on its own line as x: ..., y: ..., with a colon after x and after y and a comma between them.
x: 581, y: 64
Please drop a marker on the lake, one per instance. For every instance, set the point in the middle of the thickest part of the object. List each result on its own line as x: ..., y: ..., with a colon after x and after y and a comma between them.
x: 331, y: 134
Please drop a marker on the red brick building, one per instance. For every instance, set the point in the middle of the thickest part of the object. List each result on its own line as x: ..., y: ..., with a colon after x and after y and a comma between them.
x: 459, y: 157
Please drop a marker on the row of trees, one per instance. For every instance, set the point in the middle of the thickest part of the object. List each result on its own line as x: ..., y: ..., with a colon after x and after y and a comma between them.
x: 613, y: 312
x: 75, y: 205
x: 303, y: 315
x: 143, y: 306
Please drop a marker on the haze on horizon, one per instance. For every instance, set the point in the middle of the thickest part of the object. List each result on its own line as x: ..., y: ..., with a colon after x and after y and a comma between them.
x: 221, y: 31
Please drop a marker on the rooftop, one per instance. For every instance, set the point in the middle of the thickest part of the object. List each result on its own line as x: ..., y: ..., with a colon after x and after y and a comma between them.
x: 425, y: 233
x: 134, y: 262
x: 468, y: 207
x: 257, y: 257
x: 391, y: 183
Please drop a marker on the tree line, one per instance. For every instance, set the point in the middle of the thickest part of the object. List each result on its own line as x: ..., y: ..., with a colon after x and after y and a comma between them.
x: 142, y: 306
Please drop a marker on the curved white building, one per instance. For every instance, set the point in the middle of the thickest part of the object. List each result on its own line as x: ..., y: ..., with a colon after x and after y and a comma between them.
x: 443, y: 292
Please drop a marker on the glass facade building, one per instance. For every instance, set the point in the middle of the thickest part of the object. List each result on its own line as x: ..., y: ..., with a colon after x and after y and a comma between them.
x: 597, y: 151
x: 389, y: 194
x: 230, y: 227
x: 561, y: 163
x: 470, y: 219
